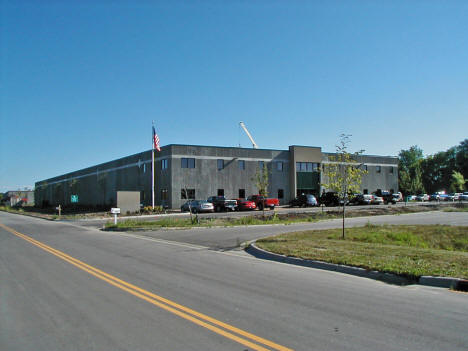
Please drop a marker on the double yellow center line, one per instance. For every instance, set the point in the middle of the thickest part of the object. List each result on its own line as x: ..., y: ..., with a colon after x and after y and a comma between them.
x: 247, y: 339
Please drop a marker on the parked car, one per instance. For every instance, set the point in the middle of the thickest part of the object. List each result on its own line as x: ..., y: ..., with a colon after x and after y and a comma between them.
x: 386, y: 196
x: 220, y: 203
x: 362, y: 199
x: 463, y: 197
x: 411, y: 198
x: 377, y: 200
x: 304, y: 200
x: 197, y: 206
x: 398, y: 196
x: 443, y: 197
x: 422, y: 197
x: 434, y: 197
x: 450, y: 197
x: 245, y: 205
x: 329, y: 199
x: 262, y: 201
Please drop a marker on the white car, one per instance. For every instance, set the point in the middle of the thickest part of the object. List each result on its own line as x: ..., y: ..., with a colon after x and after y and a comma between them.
x: 422, y: 197
x: 464, y: 196
x: 377, y: 200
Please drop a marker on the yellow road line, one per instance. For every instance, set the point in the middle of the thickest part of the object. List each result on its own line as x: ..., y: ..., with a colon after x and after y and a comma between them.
x: 159, y: 301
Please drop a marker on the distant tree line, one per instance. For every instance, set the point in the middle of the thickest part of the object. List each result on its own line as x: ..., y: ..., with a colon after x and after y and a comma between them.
x: 445, y: 170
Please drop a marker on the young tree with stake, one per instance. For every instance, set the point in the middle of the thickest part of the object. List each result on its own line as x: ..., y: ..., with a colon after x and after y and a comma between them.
x: 343, y: 174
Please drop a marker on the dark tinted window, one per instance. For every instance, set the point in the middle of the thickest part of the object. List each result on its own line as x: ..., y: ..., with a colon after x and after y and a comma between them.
x: 187, y: 163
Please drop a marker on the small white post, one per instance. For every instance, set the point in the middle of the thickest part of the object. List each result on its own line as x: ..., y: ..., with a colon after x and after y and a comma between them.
x: 115, y: 211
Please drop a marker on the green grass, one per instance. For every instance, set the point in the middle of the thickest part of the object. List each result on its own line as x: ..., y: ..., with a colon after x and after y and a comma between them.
x: 132, y: 224
x: 11, y: 209
x: 412, y: 251
x: 456, y: 209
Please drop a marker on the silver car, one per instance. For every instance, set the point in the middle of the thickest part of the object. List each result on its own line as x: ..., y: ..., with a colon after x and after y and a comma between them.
x: 197, y: 206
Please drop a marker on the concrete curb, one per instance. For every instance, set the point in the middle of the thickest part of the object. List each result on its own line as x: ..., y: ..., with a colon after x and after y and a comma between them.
x: 441, y: 282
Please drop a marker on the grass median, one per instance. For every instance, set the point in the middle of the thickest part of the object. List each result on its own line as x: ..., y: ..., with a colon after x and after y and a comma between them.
x: 411, y: 251
x: 131, y: 224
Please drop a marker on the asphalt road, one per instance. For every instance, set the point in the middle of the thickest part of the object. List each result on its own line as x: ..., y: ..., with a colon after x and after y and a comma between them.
x: 122, y: 295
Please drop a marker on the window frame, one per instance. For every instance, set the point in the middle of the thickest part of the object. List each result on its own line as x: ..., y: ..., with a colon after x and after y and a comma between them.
x: 220, y: 164
x: 187, y: 162
x: 280, y: 193
x: 185, y: 194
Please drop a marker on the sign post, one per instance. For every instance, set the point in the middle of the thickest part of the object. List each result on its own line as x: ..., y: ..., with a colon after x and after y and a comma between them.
x: 115, y: 211
x: 59, y: 209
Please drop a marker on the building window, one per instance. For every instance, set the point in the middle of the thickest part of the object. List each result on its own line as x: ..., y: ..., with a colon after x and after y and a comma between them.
x: 307, y: 167
x: 261, y: 164
x: 241, y: 164
x: 364, y: 167
x: 187, y: 194
x: 279, y: 166
x: 164, y: 194
x: 378, y: 169
x: 144, y: 168
x: 164, y: 164
x: 220, y: 192
x: 391, y: 170
x: 242, y: 193
x: 188, y: 163
x: 280, y: 193
x: 220, y: 165
x: 365, y: 191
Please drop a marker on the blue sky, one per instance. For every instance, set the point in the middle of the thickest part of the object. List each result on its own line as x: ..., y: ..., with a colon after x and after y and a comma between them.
x: 82, y: 81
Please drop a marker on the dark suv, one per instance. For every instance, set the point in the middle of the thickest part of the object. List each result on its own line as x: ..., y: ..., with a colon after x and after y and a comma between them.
x: 304, y: 201
x: 329, y: 199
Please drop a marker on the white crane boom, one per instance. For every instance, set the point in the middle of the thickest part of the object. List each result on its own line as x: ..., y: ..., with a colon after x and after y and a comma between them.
x: 254, y: 144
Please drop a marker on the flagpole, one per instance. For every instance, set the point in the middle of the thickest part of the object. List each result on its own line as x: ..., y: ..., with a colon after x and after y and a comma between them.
x: 152, y: 169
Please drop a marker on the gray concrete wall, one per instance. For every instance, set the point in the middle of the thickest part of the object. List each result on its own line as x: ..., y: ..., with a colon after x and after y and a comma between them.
x: 128, y: 201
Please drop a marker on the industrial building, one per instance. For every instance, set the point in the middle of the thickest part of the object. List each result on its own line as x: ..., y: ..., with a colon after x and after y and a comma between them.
x: 190, y: 171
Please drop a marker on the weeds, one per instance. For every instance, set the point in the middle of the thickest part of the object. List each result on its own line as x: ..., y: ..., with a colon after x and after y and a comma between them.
x: 407, y: 250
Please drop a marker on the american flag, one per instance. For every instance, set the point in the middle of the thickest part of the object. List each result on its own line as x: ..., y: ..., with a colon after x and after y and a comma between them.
x: 155, y: 140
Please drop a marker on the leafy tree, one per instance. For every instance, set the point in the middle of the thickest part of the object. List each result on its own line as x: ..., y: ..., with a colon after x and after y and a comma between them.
x: 343, y: 174
x: 458, y: 182
x: 461, y: 158
x: 410, y: 173
x: 261, y: 180
x: 437, y: 170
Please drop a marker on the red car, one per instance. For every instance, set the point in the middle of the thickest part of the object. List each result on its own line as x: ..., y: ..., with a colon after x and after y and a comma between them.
x: 261, y: 201
x: 245, y: 205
